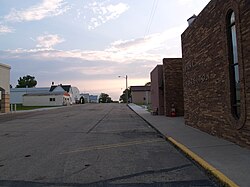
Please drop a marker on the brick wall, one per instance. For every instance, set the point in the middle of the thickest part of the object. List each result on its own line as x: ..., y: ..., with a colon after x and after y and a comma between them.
x: 157, y: 95
x: 206, y: 71
x: 5, y: 103
x: 173, y: 85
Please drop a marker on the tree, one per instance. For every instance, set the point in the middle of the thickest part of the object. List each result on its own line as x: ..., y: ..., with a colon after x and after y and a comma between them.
x: 104, y: 98
x: 27, y: 81
x: 123, y: 97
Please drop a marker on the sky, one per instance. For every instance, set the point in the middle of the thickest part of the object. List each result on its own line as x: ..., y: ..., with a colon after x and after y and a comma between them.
x: 89, y: 43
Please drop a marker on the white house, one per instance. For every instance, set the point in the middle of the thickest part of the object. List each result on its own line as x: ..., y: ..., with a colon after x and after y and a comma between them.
x: 4, y: 87
x: 16, y: 94
x: 72, y: 91
x: 46, y: 99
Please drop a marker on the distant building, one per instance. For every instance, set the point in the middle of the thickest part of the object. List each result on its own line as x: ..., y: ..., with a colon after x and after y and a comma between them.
x: 157, y: 90
x: 167, y: 88
x: 46, y: 99
x: 140, y: 95
x: 72, y: 91
x: 16, y: 94
x: 85, y: 96
x: 4, y: 88
x: 93, y: 99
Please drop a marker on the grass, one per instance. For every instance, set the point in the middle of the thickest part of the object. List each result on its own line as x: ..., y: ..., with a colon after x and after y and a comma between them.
x: 21, y: 107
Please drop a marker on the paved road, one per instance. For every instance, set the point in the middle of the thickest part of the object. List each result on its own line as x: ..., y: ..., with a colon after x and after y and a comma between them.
x: 89, y: 145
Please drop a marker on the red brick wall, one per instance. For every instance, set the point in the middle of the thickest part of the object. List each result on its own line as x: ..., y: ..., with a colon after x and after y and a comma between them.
x: 157, y: 96
x: 206, y: 71
x: 173, y: 85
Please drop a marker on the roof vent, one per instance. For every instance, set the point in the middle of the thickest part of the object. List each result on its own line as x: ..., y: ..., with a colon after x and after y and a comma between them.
x: 191, y: 19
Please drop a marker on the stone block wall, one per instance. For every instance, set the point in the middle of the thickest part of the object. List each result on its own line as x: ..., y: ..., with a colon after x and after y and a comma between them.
x: 173, y: 85
x: 206, y: 71
x: 5, y: 103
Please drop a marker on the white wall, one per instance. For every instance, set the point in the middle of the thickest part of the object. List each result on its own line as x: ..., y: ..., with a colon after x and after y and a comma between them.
x: 42, y: 100
x: 5, y: 78
x: 75, y: 94
x: 16, y: 97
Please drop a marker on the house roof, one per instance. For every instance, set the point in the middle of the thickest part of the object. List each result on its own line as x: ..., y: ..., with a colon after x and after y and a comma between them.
x: 31, y: 90
x: 84, y: 94
x: 140, y: 88
x: 44, y: 94
x: 65, y: 87
x: 66, y: 94
x: 5, y: 66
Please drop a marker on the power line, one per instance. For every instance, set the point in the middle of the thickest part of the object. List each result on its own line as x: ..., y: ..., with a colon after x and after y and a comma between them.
x: 151, y: 17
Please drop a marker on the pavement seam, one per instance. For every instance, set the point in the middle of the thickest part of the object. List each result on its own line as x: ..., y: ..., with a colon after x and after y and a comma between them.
x: 215, y: 172
x: 99, y: 121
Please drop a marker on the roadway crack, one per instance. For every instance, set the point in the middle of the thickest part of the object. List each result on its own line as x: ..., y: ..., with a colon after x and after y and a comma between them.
x: 94, y: 126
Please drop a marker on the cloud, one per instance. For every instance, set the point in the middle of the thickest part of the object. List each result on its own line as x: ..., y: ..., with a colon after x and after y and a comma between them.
x: 152, y: 48
x: 92, y: 71
x: 103, y: 12
x: 149, y: 44
x: 48, y: 8
x: 5, y: 29
x: 48, y: 41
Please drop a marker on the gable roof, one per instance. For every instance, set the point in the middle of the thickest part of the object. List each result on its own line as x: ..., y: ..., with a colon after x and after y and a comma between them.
x: 65, y: 87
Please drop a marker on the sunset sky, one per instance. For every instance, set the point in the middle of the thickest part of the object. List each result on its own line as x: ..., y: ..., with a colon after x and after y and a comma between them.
x: 89, y: 43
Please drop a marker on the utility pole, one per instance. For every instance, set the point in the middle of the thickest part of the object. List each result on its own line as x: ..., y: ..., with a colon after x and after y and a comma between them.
x: 126, y: 77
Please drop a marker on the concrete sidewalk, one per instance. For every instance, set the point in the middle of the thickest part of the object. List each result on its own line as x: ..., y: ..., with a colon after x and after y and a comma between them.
x: 229, y: 162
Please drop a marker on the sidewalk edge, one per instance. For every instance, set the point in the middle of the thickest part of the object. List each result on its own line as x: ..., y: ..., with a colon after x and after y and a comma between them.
x: 216, y: 173
x: 219, y: 175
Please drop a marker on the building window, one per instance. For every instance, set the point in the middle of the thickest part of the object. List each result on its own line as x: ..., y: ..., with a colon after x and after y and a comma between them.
x: 52, y: 99
x: 234, y: 65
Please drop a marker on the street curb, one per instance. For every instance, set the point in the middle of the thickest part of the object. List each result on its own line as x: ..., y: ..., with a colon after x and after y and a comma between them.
x: 216, y: 173
x: 148, y: 122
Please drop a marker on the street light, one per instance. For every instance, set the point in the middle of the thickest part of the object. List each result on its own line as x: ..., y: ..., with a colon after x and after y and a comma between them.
x: 126, y: 77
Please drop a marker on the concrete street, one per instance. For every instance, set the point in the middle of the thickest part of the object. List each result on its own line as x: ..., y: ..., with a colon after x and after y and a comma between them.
x: 90, y: 145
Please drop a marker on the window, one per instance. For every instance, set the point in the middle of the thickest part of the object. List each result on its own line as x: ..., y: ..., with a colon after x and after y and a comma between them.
x: 52, y: 99
x: 234, y: 65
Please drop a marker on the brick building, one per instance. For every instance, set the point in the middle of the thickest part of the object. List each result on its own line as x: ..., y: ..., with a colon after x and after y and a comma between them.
x: 157, y: 90
x: 173, y: 86
x: 167, y: 87
x: 216, y: 70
